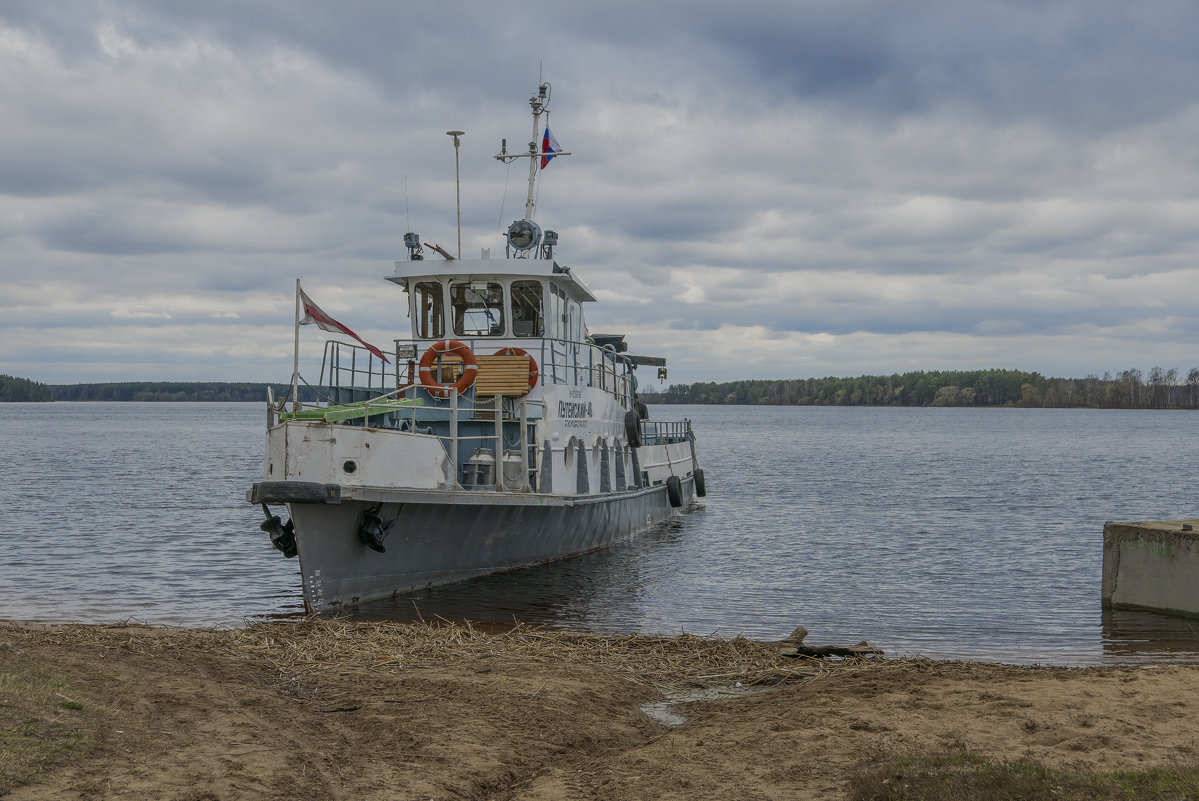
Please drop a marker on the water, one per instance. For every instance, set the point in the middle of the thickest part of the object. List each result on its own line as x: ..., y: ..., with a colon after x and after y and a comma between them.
x: 118, y: 511
x: 949, y: 533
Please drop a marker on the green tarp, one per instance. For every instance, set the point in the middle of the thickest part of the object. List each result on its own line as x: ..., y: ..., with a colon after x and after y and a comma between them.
x: 352, y: 411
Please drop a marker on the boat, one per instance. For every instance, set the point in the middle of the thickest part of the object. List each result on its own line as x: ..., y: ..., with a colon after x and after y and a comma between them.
x: 499, y: 434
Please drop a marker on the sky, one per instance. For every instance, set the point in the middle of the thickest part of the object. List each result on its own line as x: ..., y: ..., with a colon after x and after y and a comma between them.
x: 762, y: 190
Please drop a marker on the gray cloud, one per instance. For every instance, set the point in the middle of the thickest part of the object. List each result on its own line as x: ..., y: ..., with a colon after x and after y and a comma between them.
x: 1082, y: 65
x: 776, y: 189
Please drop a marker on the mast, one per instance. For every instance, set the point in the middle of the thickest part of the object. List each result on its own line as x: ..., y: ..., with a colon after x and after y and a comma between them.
x: 540, y: 104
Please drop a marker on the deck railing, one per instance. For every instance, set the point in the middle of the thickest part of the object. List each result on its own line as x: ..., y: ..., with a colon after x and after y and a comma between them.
x: 351, y: 373
x: 355, y: 385
x: 654, y: 432
x: 559, y: 361
x: 398, y: 409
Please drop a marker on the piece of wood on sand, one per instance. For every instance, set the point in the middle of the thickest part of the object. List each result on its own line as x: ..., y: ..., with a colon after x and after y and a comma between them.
x: 793, y: 645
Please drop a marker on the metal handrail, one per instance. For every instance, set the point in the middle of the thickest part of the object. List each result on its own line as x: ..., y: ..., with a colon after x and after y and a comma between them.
x: 374, y: 377
x: 562, y: 361
x: 598, y: 368
x: 654, y: 432
x: 387, y: 400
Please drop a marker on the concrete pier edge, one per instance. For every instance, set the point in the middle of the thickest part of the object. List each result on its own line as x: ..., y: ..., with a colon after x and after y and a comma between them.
x: 1153, y: 566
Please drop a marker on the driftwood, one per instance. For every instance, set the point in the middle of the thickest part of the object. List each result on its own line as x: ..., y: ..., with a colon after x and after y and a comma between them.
x: 793, y: 645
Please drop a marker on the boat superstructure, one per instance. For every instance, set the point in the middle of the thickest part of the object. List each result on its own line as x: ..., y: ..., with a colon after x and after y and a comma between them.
x: 499, y: 434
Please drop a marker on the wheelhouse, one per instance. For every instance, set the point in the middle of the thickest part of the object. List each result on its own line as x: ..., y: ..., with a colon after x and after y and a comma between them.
x: 495, y: 302
x: 500, y: 306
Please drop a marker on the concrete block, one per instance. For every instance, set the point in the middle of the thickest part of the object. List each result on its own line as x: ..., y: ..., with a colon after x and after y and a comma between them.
x: 1153, y: 565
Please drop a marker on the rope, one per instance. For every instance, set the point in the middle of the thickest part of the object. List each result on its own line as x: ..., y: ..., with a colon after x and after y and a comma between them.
x: 499, y: 226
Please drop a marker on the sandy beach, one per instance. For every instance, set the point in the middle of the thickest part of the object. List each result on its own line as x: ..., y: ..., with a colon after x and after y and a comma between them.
x: 330, y: 710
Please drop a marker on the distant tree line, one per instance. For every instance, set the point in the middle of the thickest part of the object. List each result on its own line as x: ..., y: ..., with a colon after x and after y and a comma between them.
x: 14, y: 389
x: 1130, y: 389
x: 168, y: 391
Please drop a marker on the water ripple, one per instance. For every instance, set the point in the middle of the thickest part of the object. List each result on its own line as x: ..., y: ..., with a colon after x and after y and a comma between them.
x: 951, y: 533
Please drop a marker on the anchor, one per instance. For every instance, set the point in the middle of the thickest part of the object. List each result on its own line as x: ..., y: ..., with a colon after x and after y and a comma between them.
x: 283, y: 535
x: 372, y: 530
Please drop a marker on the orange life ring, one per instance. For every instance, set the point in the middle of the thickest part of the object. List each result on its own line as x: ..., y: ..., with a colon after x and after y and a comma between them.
x: 533, y: 373
x: 470, y: 367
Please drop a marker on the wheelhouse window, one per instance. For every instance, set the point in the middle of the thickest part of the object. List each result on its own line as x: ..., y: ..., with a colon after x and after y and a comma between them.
x: 430, y: 310
x: 477, y: 308
x: 527, y: 318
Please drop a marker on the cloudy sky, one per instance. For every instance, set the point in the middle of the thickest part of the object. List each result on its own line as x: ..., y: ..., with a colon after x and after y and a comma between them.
x: 758, y: 190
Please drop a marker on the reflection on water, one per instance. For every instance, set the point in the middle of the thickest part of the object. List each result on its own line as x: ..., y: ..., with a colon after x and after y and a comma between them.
x: 605, y: 590
x: 601, y: 592
x: 1137, y: 636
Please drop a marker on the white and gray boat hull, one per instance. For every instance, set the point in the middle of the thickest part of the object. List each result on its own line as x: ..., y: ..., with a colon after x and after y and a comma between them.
x: 432, y: 537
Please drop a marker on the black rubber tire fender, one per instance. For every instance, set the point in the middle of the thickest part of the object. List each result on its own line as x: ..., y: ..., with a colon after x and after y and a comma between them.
x: 632, y: 428
x: 674, y: 491
x: 700, y: 488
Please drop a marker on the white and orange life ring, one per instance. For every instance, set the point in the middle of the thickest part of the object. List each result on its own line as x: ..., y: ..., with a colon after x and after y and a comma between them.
x: 470, y: 367
x: 534, y: 374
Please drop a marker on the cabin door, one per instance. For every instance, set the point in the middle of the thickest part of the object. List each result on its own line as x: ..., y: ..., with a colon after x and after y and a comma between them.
x: 562, y: 353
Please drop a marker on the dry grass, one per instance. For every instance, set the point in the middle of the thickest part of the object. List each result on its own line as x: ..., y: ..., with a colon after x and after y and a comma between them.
x: 41, y: 720
x: 315, y: 645
x: 322, y: 645
x: 46, y: 723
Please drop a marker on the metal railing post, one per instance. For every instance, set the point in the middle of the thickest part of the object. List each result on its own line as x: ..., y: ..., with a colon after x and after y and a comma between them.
x: 524, y: 446
x: 499, y: 442
x: 453, y: 431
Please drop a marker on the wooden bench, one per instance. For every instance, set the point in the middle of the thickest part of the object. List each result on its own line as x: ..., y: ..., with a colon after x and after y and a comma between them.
x: 497, y: 375
x: 502, y: 375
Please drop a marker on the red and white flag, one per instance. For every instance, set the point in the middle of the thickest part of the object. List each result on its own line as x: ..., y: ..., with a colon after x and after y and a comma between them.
x: 314, y: 315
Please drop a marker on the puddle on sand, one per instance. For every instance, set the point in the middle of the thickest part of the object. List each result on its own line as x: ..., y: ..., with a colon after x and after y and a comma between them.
x: 663, y: 711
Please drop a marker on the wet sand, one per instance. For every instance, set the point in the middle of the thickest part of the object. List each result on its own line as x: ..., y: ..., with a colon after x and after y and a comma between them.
x: 328, y: 710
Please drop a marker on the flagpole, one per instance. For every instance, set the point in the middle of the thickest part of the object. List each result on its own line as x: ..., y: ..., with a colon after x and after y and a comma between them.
x: 295, y: 368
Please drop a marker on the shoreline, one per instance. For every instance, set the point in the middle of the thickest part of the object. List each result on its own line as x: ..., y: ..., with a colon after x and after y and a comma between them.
x: 1170, y: 640
x: 330, y: 709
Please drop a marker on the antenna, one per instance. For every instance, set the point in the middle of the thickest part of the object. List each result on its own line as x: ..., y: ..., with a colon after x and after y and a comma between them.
x: 539, y: 103
x: 457, y: 186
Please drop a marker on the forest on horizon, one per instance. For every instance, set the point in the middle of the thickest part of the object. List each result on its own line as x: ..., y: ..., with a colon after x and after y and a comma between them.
x: 23, y: 389
x: 1159, y: 388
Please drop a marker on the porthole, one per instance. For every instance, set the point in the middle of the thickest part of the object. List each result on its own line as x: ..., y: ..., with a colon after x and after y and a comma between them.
x: 350, y: 466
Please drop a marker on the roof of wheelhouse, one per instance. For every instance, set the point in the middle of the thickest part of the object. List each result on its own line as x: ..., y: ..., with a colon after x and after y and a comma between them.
x: 465, y: 269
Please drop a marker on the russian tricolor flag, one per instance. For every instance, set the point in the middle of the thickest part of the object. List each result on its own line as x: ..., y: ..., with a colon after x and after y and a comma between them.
x: 549, y: 146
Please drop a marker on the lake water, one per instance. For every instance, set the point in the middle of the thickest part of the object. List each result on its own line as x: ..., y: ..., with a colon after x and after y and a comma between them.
x: 948, y: 533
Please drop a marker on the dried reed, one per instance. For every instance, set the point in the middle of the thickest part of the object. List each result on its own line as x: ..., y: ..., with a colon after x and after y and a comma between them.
x: 320, y: 645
